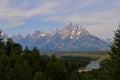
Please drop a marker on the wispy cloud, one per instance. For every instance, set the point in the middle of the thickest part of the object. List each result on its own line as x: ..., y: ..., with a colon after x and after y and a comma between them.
x: 16, y: 15
x: 94, y: 14
x: 97, y: 20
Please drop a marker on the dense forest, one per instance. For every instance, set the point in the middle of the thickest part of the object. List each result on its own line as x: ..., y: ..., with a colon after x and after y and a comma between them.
x: 18, y: 64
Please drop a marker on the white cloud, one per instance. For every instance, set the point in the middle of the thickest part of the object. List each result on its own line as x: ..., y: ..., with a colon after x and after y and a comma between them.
x: 101, y: 23
x: 16, y: 16
x: 104, y: 15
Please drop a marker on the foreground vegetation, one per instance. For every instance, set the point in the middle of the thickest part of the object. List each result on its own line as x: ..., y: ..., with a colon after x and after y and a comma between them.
x: 18, y: 64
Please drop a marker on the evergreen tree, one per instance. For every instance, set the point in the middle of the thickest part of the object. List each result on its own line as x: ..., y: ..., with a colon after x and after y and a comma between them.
x: 115, y: 46
x: 2, y: 45
x: 9, y: 46
x: 0, y: 35
x: 55, y: 69
x: 36, y: 60
x: 110, y: 68
x: 39, y: 76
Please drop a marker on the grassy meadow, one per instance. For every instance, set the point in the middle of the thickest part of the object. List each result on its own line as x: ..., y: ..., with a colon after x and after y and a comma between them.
x: 97, y: 55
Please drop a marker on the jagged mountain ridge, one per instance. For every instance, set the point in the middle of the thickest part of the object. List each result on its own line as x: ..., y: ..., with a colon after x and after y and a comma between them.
x: 70, y: 37
x: 108, y: 39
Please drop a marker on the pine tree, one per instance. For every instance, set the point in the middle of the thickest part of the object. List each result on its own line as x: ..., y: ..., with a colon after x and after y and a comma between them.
x: 0, y: 35
x: 115, y: 46
x: 110, y: 68
x: 2, y: 45
x: 115, y: 55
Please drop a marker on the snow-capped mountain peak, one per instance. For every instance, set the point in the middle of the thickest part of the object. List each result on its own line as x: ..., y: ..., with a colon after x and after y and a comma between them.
x: 108, y: 39
x: 73, y: 31
x: 70, y: 37
x: 37, y: 34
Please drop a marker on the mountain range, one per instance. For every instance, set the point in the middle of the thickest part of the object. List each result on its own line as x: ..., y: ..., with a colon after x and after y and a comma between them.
x: 70, y: 37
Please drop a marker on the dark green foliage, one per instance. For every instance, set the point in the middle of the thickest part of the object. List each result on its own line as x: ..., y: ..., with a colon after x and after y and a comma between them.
x: 77, y: 60
x: 16, y: 64
x: 115, y: 46
x: 111, y: 66
x: 0, y: 35
x: 75, y: 76
x: 39, y: 76
x: 55, y: 70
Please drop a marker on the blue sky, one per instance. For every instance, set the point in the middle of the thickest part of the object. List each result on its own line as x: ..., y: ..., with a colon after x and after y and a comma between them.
x: 100, y: 17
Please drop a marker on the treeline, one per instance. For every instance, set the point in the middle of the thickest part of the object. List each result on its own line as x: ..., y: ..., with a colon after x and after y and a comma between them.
x: 80, y: 62
x: 18, y: 64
